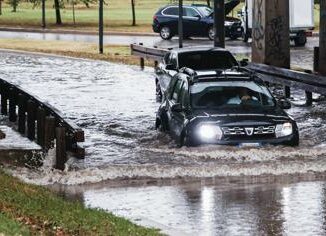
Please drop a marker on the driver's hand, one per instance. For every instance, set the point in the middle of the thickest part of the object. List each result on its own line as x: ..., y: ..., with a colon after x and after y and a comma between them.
x: 245, y: 98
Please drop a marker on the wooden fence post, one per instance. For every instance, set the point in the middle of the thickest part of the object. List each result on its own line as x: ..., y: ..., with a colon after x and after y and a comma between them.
x: 21, y: 114
x: 31, y: 119
x: 49, y: 132
x: 4, y: 102
x: 12, y: 106
x: 61, y: 155
x: 41, y: 114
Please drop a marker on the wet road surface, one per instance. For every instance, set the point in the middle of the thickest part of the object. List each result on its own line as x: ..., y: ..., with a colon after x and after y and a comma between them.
x: 115, y: 105
x: 303, y: 56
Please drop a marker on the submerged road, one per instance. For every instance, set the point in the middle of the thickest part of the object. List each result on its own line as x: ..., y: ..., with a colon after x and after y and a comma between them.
x: 115, y: 105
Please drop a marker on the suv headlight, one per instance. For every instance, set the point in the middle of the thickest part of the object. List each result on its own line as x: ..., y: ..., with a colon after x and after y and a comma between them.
x: 209, y: 132
x: 283, y: 130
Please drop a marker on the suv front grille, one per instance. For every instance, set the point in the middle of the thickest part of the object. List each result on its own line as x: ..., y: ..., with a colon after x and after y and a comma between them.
x: 248, y: 131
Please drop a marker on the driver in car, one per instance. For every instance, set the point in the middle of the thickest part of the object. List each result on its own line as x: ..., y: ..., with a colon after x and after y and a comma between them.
x: 242, y: 97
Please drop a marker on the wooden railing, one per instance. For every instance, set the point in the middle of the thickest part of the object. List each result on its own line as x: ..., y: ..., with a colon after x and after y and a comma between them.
x: 41, y: 122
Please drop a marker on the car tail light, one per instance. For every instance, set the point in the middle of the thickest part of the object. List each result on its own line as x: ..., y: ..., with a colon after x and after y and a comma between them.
x: 308, y: 34
x: 155, y: 17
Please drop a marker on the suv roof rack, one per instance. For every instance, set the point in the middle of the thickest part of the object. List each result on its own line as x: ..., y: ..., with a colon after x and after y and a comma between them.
x: 194, y: 77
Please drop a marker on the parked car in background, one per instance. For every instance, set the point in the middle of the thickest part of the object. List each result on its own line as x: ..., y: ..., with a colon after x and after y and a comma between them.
x: 198, y: 58
x: 224, y: 107
x: 197, y: 21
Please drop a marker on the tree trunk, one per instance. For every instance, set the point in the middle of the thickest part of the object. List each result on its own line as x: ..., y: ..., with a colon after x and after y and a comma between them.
x: 73, y: 12
x: 208, y: 3
x: 133, y: 13
x: 57, y: 12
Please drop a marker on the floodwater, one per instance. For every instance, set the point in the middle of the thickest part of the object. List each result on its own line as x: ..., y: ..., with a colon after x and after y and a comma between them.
x: 185, y: 190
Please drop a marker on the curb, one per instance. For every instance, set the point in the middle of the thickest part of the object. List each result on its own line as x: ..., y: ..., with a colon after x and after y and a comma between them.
x: 59, y: 31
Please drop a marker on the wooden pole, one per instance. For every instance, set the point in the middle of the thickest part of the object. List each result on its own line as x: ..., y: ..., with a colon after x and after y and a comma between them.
x: 41, y: 114
x: 4, y: 102
x: 316, y: 59
x: 219, y: 19
x: 100, y: 27
x: 180, y: 24
x: 61, y: 155
x: 31, y: 117
x: 322, y: 38
x: 12, y: 106
x: 21, y: 114
x: 49, y: 132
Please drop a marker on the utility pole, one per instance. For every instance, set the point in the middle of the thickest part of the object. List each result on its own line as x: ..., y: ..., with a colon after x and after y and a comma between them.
x: 322, y: 38
x: 43, y: 14
x: 219, y: 19
x: 100, y: 26
x: 180, y: 24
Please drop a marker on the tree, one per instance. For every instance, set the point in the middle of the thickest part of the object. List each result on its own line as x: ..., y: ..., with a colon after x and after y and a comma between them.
x: 57, y: 12
x: 133, y: 13
x: 14, y: 4
x: 0, y: 7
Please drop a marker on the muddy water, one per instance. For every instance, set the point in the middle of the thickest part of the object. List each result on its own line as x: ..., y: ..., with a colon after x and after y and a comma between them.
x: 115, y: 105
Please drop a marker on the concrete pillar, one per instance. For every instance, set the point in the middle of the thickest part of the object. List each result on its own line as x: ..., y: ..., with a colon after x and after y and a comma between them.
x: 322, y: 38
x: 270, y: 33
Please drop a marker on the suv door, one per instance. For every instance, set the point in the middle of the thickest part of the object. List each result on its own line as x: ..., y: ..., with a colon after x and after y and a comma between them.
x: 170, y: 18
x: 176, y: 118
x: 193, y: 24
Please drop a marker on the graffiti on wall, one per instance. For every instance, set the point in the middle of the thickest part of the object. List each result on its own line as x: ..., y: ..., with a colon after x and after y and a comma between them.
x: 258, y: 30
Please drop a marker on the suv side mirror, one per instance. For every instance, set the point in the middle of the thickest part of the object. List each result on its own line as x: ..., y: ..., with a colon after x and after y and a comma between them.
x: 244, y: 62
x: 284, y: 104
x: 177, y: 107
x: 170, y: 67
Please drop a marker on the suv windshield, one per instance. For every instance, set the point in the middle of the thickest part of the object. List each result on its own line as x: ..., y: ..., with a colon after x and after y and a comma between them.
x: 205, y: 11
x: 207, y: 60
x: 211, y: 95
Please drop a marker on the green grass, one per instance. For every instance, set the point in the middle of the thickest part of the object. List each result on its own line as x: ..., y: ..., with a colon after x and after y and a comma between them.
x: 11, y: 227
x: 43, y: 212
x: 117, y: 15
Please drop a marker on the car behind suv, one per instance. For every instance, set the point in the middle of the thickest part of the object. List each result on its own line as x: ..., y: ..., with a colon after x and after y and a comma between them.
x: 197, y: 21
x: 198, y: 58
x: 224, y: 107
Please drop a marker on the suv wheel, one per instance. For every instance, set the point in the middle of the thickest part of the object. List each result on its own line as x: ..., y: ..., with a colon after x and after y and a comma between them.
x: 211, y: 33
x: 300, y: 40
x: 165, y: 33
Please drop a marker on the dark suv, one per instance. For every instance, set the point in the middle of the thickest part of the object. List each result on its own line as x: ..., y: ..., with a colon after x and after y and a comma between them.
x: 224, y: 107
x: 197, y: 21
x: 198, y: 58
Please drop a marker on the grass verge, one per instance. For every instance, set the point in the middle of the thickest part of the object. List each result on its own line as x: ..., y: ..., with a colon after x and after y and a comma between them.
x: 26, y: 209
x: 117, y: 15
x: 112, y: 53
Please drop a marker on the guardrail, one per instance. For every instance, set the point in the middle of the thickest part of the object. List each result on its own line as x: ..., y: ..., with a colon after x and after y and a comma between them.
x: 308, y: 82
x: 41, y: 122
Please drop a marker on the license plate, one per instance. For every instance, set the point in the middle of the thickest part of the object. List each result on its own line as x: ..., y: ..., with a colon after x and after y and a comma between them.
x: 239, y: 29
x: 249, y: 145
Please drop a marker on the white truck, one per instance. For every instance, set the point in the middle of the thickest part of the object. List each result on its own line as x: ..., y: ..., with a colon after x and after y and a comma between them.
x: 301, y: 20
